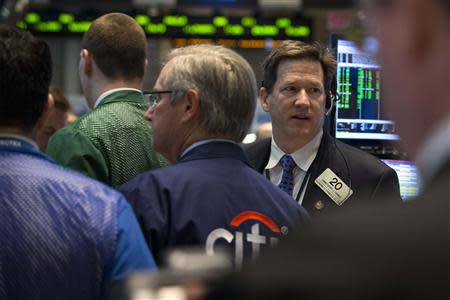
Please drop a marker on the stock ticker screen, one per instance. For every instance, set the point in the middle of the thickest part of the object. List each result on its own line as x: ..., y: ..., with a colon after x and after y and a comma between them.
x: 360, y: 112
x: 408, y: 177
x: 361, y: 118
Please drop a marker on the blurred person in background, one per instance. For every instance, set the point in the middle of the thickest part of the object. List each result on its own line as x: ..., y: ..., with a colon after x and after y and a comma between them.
x: 203, y: 104
x: 64, y: 236
x: 302, y: 158
x: 264, y: 131
x: 111, y: 143
x: 57, y: 117
x: 397, y: 251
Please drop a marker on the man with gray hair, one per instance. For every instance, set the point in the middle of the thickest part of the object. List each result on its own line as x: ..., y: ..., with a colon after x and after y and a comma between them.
x: 202, y: 105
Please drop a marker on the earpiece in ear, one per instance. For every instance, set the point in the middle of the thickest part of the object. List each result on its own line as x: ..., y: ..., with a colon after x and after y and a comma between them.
x: 330, y: 101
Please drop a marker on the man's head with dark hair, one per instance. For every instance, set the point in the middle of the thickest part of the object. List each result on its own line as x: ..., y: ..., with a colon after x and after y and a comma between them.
x: 55, y: 118
x: 296, y: 50
x: 297, y: 81
x: 118, y: 46
x: 25, y: 75
x: 60, y: 99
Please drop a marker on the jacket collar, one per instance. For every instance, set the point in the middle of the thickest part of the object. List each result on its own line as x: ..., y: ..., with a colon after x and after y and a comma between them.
x: 216, y: 149
x: 326, y: 157
x: 19, y: 144
x: 259, y: 154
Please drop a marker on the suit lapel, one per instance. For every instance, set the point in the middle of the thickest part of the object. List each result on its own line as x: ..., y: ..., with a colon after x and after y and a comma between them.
x: 315, y: 199
x: 258, y: 154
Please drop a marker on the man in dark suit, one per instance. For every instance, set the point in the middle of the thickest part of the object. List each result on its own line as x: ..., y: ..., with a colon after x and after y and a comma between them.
x: 204, y: 101
x: 327, y: 173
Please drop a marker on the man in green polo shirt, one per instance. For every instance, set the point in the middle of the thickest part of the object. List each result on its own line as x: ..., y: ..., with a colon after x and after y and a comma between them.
x: 113, y: 142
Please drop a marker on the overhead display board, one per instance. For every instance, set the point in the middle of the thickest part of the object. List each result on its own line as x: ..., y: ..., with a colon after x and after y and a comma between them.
x: 178, y: 26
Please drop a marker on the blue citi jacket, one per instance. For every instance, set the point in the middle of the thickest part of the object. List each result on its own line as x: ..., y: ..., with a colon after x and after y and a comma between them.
x: 212, y: 197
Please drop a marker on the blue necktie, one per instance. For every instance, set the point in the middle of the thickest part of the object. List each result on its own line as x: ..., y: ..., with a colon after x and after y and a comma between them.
x: 287, y: 180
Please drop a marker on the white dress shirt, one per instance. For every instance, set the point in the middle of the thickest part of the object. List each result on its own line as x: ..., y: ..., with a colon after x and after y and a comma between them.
x: 107, y: 93
x: 303, y: 158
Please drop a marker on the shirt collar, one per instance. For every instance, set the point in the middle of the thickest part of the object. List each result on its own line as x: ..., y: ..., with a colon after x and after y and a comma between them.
x: 21, y: 138
x: 107, y: 93
x: 303, y: 157
x: 434, y: 151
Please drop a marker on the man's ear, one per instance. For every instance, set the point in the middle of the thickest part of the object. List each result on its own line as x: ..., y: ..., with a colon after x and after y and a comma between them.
x: 191, y: 105
x: 263, y: 95
x: 87, y: 61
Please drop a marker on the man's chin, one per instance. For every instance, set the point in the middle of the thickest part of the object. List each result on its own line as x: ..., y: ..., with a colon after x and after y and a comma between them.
x: 302, y: 133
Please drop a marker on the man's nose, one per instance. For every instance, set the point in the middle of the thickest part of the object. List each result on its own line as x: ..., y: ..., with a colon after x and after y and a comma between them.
x: 302, y: 98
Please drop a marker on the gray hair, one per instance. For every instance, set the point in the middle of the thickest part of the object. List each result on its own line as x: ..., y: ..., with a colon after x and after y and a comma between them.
x: 225, y: 83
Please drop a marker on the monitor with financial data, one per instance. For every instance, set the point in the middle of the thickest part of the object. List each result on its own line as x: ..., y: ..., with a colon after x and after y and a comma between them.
x: 360, y: 110
x: 408, y: 177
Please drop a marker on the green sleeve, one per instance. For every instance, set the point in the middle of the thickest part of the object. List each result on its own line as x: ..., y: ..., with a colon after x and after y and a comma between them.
x: 75, y: 151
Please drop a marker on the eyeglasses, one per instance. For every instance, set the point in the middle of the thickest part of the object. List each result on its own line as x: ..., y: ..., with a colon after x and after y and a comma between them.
x: 153, y: 97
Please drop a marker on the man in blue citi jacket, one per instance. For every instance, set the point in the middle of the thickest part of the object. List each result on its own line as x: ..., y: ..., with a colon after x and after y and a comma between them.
x: 63, y: 235
x: 202, y: 105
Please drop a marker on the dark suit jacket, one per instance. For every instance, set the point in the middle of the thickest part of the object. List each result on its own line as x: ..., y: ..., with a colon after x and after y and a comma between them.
x: 397, y: 251
x: 367, y: 176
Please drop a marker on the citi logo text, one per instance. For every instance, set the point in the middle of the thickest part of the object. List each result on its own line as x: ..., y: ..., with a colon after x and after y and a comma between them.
x: 254, y: 237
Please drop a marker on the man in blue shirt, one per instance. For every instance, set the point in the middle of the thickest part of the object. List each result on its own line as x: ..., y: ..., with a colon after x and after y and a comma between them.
x: 202, y: 105
x: 64, y: 236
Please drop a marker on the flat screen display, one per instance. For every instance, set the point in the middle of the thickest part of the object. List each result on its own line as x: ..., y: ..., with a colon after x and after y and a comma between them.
x: 360, y: 110
x: 407, y: 176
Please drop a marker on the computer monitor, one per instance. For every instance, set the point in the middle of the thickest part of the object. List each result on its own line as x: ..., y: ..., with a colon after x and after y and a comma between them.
x: 407, y: 176
x: 360, y: 110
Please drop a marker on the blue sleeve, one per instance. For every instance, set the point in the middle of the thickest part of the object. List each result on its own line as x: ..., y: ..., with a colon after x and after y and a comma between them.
x: 149, y: 197
x: 132, y: 252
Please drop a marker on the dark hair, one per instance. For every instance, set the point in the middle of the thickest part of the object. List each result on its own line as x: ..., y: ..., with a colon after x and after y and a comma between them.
x: 61, y: 101
x: 299, y: 50
x: 118, y: 46
x: 25, y: 72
